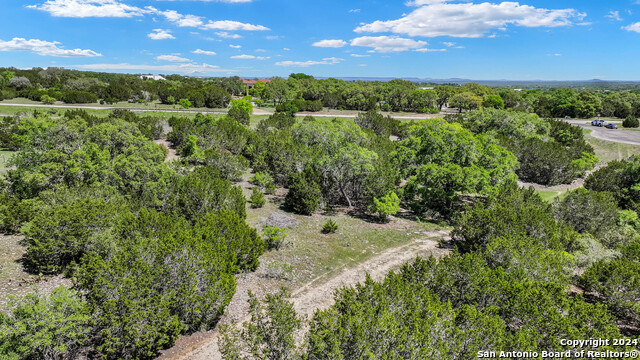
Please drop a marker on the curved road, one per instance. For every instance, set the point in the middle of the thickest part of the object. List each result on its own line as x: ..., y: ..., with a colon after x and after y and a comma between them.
x: 618, y: 135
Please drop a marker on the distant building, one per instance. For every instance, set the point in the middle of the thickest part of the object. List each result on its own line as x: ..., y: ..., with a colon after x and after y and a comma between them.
x: 517, y: 89
x: 251, y: 83
x: 152, y: 77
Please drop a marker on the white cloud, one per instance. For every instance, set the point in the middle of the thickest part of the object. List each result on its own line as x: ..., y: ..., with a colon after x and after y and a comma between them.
x: 159, y: 34
x: 449, y: 44
x: 441, y: 18
x: 273, y: 37
x: 635, y: 27
x: 204, y: 52
x: 354, y: 10
x: 556, y: 54
x: 226, y: 35
x: 235, y: 46
x: 200, y: 22
x: 44, y: 48
x: 89, y: 8
x: 230, y: 25
x: 250, y: 57
x: 614, y: 15
x: 172, y: 68
x: 430, y: 50
x: 172, y: 58
x: 359, y: 56
x: 286, y: 49
x: 385, y: 44
x: 330, y: 43
x: 325, y: 61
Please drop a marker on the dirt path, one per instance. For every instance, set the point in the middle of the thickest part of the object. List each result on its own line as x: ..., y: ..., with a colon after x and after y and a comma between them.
x: 317, y: 294
x: 172, y: 154
x: 577, y: 183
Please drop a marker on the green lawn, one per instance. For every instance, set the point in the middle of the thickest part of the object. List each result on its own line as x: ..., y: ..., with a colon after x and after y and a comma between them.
x: 608, y: 150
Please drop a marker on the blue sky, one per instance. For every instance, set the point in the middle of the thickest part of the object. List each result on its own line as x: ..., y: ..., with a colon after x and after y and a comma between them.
x: 547, y: 40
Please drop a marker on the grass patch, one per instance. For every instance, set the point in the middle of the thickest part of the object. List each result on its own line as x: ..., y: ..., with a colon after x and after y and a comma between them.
x: 550, y: 196
x: 608, y: 150
x: 4, y: 159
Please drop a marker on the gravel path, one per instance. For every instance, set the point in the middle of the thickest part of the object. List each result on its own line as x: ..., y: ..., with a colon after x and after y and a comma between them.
x: 317, y: 294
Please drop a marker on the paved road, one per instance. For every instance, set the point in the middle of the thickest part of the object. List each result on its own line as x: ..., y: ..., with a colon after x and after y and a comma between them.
x: 618, y: 135
x: 255, y: 111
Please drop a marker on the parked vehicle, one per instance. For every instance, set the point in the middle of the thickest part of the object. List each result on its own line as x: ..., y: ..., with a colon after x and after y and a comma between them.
x: 611, y: 126
x: 597, y: 123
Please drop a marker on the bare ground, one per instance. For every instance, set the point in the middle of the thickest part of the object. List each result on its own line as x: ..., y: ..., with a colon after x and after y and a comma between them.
x: 577, y: 183
x: 314, y: 295
x: 14, y: 281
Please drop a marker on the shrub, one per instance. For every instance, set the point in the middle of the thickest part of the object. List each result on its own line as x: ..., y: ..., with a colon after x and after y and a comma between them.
x: 387, y: 205
x: 53, y: 326
x: 184, y: 103
x: 264, y: 181
x: 330, y: 227
x: 587, y: 211
x: 163, y: 279
x: 60, y: 235
x: 304, y: 195
x: 274, y: 237
x: 257, y: 199
x: 46, y: 99
x: 279, y: 270
x: 631, y: 122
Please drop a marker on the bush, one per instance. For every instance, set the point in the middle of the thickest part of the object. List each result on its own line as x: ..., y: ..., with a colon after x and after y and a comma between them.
x: 274, y: 237
x: 162, y: 279
x: 304, y: 195
x: 279, y: 271
x: 257, y: 199
x: 60, y: 234
x: 387, y: 205
x: 79, y: 97
x: 330, y: 227
x: 53, y: 326
x: 46, y: 99
x: 184, y: 103
x: 587, y: 211
x: 264, y: 181
x: 631, y: 122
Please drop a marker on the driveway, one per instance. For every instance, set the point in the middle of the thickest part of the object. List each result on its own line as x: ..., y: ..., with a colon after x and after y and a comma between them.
x: 602, y: 133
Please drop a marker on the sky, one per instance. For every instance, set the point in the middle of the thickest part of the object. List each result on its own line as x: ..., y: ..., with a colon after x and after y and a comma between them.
x: 530, y: 40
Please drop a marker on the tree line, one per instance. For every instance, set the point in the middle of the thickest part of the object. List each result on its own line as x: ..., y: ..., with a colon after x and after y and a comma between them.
x: 302, y: 92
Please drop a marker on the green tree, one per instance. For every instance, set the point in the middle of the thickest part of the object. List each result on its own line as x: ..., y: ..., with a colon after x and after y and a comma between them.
x: 465, y: 101
x: 304, y: 195
x: 387, y: 205
x: 184, y: 103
